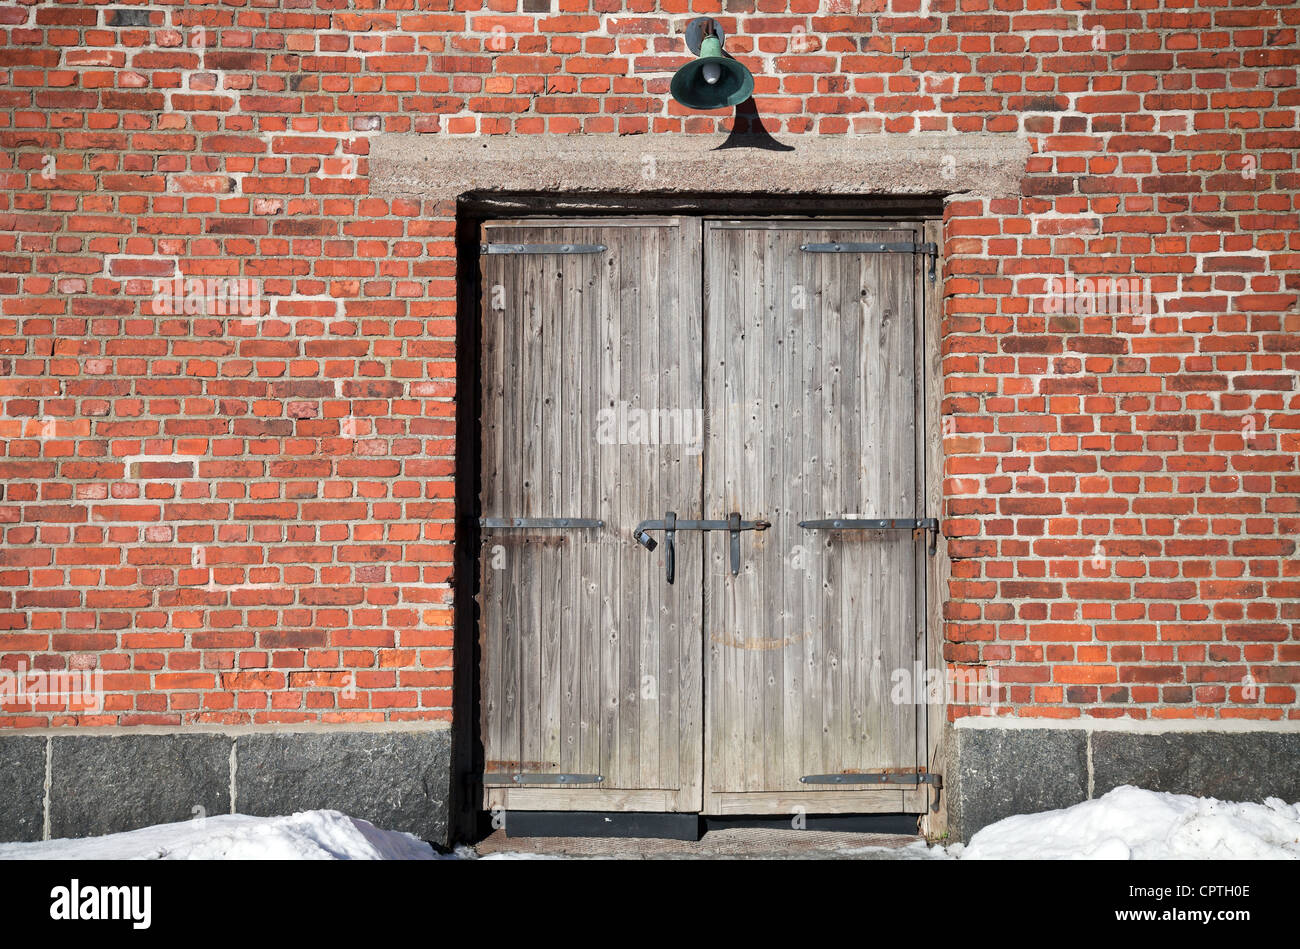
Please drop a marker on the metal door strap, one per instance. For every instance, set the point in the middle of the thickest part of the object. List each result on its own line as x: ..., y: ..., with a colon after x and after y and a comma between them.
x: 907, y: 778
x: 543, y: 778
x: 929, y: 248
x: 930, y: 525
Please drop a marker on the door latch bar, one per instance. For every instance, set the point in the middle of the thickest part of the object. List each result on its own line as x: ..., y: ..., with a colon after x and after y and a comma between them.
x: 929, y: 248
x: 917, y: 525
x: 904, y: 778
x: 670, y: 525
x: 560, y: 523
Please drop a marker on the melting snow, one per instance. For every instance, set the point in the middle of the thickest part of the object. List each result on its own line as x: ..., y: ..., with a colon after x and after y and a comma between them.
x: 310, y: 835
x: 1129, y: 823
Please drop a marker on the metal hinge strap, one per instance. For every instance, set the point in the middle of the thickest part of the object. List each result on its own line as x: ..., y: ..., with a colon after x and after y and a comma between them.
x: 929, y: 248
x: 930, y: 525
x: 543, y: 778
x: 905, y: 778
x: 542, y: 248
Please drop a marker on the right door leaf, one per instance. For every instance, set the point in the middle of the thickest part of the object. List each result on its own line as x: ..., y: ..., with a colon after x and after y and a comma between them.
x: 811, y: 396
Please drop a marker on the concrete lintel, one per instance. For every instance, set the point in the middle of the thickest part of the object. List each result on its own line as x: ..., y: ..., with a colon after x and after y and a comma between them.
x: 441, y: 166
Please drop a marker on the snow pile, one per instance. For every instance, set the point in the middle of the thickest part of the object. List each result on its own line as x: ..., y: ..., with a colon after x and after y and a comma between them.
x: 1132, y: 824
x: 1127, y: 823
x: 310, y: 835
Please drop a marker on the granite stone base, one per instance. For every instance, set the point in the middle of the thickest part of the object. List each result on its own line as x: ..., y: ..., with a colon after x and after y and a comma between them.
x: 395, y: 780
x: 22, y: 787
x: 994, y: 773
x: 105, y: 783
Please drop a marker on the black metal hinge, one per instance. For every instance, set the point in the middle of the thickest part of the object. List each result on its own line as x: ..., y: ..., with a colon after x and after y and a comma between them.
x: 929, y: 248
x: 930, y: 525
x: 543, y: 777
x: 904, y: 778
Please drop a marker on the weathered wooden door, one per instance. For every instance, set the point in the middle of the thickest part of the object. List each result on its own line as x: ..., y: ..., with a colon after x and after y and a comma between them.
x: 812, y: 382
x: 591, y: 663
x: 643, y: 366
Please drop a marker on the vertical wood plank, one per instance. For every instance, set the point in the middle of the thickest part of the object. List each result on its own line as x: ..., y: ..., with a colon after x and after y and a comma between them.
x: 768, y: 548
x: 833, y: 563
x: 811, y: 505
x: 795, y: 626
x: 557, y: 302
x: 858, y: 424
x: 569, y: 329
x: 517, y: 287
x: 611, y: 471
x: 690, y: 640
x: 653, y: 459
x: 751, y: 620
x: 541, y: 280
x: 493, y: 321
x: 595, y: 475
x: 632, y: 478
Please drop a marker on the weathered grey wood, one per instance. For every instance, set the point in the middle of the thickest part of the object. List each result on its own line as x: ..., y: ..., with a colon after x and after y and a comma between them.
x: 570, y: 412
x: 580, y: 799
x: 632, y: 475
x: 596, y: 493
x: 556, y: 299
x: 611, y: 615
x: 724, y: 460
x: 752, y: 614
x: 899, y: 563
x: 768, y: 549
x: 833, y: 416
x: 811, y: 802
x: 591, y: 663
x: 860, y: 437
x: 491, y: 631
x: 529, y: 383
x: 578, y: 623
x: 849, y: 448
x: 649, y: 463
x: 689, y: 596
x: 516, y: 285
x: 810, y: 319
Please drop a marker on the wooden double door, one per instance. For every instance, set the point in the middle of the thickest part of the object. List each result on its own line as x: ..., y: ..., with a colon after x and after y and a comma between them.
x: 726, y: 372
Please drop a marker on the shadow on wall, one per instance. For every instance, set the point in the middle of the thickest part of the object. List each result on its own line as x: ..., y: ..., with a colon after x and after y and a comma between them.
x: 748, y: 131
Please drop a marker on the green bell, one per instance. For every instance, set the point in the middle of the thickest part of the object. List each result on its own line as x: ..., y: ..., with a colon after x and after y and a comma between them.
x: 713, y: 81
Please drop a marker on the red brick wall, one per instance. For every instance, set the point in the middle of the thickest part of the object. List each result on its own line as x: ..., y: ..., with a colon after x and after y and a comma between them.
x: 1124, y: 540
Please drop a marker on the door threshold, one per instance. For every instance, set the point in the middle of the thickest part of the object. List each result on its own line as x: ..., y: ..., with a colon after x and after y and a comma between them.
x: 891, y: 824
x: 729, y: 843
x: 691, y: 827
x: 661, y: 826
